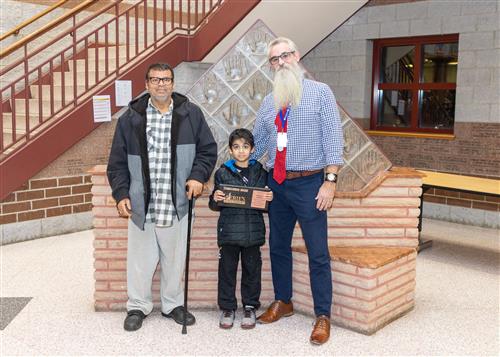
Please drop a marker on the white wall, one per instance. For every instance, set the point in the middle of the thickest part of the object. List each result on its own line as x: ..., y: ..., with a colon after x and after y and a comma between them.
x: 305, y: 22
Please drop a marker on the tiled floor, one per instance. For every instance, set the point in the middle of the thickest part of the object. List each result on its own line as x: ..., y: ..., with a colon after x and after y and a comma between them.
x: 456, y: 313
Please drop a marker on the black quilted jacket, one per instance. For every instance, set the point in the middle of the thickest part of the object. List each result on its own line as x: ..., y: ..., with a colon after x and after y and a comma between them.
x: 239, y: 226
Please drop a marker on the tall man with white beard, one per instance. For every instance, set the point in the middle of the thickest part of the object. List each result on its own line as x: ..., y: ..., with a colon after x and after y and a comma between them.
x: 298, y: 124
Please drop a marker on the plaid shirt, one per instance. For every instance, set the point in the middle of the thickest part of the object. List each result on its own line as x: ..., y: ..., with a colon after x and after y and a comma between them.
x: 161, y: 208
x: 314, y: 133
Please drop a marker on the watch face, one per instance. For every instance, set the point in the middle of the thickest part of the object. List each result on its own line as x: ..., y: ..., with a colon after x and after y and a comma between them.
x: 331, y: 177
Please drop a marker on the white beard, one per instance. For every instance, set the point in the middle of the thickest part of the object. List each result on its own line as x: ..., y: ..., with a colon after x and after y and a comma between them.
x: 287, y: 88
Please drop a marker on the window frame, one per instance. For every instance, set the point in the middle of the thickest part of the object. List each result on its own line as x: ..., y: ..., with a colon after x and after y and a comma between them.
x: 417, y: 87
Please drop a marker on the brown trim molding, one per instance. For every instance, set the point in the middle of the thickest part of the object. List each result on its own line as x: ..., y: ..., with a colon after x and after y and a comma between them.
x: 411, y: 134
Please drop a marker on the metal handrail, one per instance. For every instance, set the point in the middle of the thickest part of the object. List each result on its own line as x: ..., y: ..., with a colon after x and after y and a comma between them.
x: 38, y: 16
x: 33, y: 110
x: 46, y: 28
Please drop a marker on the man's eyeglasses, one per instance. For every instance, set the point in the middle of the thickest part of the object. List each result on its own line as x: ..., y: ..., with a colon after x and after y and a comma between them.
x: 157, y: 80
x: 284, y: 56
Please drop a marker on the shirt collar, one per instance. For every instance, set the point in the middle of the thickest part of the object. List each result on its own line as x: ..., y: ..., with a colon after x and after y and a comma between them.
x: 151, y: 106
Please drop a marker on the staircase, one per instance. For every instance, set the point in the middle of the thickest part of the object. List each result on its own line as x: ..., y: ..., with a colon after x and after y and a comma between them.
x: 48, y: 107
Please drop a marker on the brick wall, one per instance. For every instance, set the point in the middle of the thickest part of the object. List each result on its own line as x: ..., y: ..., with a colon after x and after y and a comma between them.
x: 364, y: 298
x: 463, y: 199
x: 474, y: 151
x: 47, y: 197
x: 388, y: 216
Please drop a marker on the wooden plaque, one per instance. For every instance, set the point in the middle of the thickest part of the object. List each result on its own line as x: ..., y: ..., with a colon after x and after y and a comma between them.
x: 244, y: 197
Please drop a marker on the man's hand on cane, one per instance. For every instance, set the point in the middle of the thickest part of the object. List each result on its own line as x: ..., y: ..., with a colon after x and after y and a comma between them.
x: 193, y: 189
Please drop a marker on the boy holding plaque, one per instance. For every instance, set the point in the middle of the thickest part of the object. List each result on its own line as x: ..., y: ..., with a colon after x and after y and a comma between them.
x: 240, y: 230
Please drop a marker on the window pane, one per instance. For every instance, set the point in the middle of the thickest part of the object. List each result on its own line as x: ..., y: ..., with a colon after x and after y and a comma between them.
x: 437, y: 109
x: 440, y: 62
x: 397, y: 64
x: 395, y: 108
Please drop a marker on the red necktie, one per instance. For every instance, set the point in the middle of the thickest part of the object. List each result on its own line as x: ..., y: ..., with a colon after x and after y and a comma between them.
x: 279, y: 173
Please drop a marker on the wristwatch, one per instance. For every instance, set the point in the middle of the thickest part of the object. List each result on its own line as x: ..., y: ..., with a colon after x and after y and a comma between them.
x: 330, y: 177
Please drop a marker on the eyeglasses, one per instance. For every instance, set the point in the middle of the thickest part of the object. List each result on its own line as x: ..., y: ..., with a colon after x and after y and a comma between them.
x: 285, y: 56
x: 157, y: 80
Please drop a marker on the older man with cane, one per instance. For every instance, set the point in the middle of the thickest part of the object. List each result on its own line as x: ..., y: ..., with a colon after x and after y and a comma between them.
x: 162, y: 145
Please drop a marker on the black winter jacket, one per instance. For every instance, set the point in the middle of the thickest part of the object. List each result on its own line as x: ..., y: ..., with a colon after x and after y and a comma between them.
x: 193, y: 155
x: 239, y: 226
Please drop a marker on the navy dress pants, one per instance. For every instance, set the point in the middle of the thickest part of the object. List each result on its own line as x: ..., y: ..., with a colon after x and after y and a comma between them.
x: 294, y: 200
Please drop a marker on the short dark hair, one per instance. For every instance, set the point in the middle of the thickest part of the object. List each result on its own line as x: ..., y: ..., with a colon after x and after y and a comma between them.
x: 159, y: 67
x: 241, y: 133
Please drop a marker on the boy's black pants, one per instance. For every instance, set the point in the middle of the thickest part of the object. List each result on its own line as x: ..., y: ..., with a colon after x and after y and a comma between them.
x: 251, y: 266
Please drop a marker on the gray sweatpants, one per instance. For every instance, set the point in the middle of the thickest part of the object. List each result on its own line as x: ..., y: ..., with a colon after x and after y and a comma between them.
x: 145, y: 248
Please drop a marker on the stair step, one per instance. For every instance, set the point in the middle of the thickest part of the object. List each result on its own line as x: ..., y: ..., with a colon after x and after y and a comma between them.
x: 57, y: 90
x: 7, y: 137
x: 20, y: 122
x: 101, y: 52
x: 80, y: 78
x: 34, y: 106
x: 91, y: 64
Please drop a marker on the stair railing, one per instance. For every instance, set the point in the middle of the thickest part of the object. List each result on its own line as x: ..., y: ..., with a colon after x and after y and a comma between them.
x: 33, y: 19
x: 69, y: 62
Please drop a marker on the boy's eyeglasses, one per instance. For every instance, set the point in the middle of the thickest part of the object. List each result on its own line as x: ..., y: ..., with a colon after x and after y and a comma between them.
x: 284, y: 56
x: 157, y: 80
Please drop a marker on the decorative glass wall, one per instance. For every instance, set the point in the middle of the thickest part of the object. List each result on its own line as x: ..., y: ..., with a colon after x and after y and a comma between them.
x: 231, y: 91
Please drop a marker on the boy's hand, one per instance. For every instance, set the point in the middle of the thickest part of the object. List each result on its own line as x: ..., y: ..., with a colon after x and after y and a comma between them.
x: 219, y: 196
x: 269, y: 195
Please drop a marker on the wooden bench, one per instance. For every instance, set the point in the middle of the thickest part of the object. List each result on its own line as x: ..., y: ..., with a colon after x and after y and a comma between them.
x: 372, y: 286
x: 454, y: 182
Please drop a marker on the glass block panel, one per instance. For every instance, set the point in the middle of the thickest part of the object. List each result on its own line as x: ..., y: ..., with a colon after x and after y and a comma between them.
x: 254, y: 43
x: 210, y: 91
x: 266, y: 69
x: 343, y: 115
x: 220, y: 134
x: 255, y: 89
x: 369, y: 163
x: 234, y: 68
x: 397, y: 64
x: 349, y: 180
x: 234, y: 114
x: 440, y: 62
x: 395, y: 108
x: 354, y: 140
x: 437, y: 109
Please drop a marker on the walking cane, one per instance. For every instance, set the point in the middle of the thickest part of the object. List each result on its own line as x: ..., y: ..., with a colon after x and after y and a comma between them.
x: 186, y: 272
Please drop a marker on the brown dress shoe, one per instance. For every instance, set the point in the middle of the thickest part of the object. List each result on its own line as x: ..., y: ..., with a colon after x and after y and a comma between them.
x: 275, y: 311
x: 321, y: 330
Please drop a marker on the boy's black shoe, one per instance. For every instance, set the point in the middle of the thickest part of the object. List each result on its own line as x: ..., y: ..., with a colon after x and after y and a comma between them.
x: 133, y: 321
x: 178, y: 315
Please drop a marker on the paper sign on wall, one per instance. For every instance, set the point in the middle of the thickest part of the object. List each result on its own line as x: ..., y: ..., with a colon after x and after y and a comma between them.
x: 123, y: 93
x: 102, y: 108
